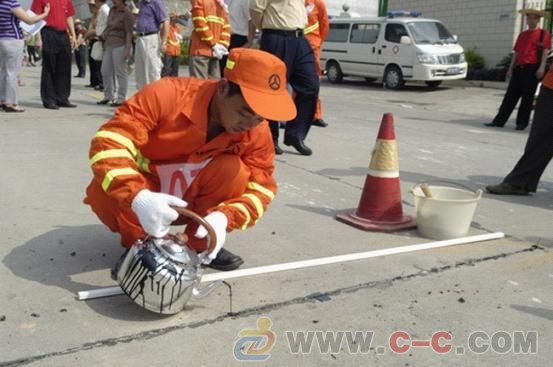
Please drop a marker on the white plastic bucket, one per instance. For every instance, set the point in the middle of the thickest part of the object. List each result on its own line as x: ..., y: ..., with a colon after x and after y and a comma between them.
x: 448, y: 213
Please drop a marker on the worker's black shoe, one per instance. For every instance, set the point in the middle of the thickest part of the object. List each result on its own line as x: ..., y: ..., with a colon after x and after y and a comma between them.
x: 319, y: 123
x: 492, y: 124
x: 278, y: 149
x: 506, y: 188
x: 226, y: 261
x: 298, y: 145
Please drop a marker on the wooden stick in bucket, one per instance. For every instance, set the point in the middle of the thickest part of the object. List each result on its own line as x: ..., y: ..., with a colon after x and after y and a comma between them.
x: 426, y: 190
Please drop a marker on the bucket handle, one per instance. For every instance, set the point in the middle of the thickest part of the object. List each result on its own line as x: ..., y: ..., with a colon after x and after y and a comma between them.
x: 477, y: 192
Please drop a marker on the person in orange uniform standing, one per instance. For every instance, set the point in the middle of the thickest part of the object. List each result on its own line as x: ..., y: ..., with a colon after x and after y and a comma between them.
x: 524, y: 178
x: 171, y: 58
x: 210, y: 38
x: 187, y: 142
x: 316, y: 33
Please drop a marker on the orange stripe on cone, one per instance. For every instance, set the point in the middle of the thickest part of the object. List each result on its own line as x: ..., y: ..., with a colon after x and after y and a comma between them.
x: 380, y: 207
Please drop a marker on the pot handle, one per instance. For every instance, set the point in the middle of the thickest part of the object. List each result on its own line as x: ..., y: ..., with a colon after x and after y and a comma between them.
x: 211, y: 236
x: 199, y: 293
x: 450, y: 183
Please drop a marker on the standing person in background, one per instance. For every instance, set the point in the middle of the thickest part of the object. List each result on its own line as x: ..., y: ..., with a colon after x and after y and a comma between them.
x: 152, y: 27
x: 316, y: 33
x: 171, y: 58
x: 526, y: 70
x: 80, y: 49
x: 282, y: 23
x: 117, y: 50
x: 34, y: 56
x: 56, y: 45
x: 210, y: 38
x: 526, y: 174
x: 95, y: 66
x: 101, y: 25
x: 242, y: 32
x: 11, y: 50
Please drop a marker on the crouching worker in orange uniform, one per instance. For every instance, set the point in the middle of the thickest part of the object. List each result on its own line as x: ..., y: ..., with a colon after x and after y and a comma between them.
x: 195, y: 143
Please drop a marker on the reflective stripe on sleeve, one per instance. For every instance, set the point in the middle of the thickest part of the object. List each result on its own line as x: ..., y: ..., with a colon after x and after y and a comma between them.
x: 265, y: 191
x: 215, y: 19
x: 257, y: 203
x: 111, y: 153
x: 123, y: 140
x: 311, y: 28
x: 111, y: 175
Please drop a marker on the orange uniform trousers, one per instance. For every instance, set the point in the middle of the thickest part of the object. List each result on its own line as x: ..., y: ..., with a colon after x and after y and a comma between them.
x: 224, y: 178
x: 318, y: 108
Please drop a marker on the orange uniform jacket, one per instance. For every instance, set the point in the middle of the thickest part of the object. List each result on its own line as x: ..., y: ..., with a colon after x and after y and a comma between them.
x: 317, y: 22
x: 173, y: 41
x: 165, y: 125
x: 211, y: 26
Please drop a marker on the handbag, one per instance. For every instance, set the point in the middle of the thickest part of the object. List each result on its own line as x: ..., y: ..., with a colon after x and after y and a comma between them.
x: 97, y: 51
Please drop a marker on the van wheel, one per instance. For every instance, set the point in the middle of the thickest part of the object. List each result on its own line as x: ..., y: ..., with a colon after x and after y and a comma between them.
x: 393, y: 78
x: 434, y: 83
x: 334, y: 73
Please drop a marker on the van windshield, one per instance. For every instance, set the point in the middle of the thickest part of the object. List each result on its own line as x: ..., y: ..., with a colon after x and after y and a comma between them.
x: 430, y: 33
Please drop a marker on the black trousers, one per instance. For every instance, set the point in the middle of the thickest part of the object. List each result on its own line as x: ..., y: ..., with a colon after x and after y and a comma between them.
x: 81, y: 55
x: 95, y: 67
x: 55, y: 80
x: 297, y: 54
x: 236, y: 40
x: 522, y: 86
x: 170, y: 66
x: 539, y: 146
x: 33, y: 54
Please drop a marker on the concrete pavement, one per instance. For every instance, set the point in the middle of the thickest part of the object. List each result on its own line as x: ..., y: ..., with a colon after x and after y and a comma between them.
x: 54, y: 246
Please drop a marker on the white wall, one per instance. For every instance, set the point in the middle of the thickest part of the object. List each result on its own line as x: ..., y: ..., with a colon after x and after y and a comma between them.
x: 489, y: 25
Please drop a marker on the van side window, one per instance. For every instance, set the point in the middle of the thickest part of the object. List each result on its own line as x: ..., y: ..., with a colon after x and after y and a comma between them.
x: 338, y: 32
x: 364, y: 33
x: 394, y: 32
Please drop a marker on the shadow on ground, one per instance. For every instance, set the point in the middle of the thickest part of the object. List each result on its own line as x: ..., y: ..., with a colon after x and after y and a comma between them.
x: 543, y: 313
x: 59, y: 257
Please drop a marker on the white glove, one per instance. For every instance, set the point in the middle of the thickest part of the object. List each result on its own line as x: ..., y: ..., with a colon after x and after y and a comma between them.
x: 219, y: 51
x: 154, y: 212
x: 219, y: 222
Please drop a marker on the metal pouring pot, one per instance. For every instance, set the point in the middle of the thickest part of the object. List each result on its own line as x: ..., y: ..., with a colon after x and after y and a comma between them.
x: 163, y: 274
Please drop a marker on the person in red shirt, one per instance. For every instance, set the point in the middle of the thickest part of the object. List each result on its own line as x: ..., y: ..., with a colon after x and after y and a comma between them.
x: 56, y: 45
x: 526, y: 69
x: 526, y: 174
x: 199, y: 143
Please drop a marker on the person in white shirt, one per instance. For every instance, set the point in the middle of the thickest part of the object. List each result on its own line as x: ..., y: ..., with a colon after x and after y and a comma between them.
x: 103, y: 12
x: 242, y: 32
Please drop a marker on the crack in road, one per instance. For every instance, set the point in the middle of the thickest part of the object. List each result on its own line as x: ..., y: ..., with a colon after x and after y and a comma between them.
x: 310, y: 298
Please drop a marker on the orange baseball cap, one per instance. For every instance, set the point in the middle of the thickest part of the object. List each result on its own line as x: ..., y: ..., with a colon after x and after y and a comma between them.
x: 262, y: 80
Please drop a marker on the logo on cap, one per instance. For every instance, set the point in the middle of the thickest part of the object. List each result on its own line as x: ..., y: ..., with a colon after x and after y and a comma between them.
x: 274, y: 81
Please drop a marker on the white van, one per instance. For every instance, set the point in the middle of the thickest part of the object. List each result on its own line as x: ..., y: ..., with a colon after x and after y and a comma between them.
x: 394, y: 49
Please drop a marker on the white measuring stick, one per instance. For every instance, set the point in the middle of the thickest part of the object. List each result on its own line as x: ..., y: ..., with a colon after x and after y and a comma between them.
x: 113, y: 291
